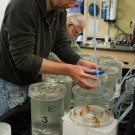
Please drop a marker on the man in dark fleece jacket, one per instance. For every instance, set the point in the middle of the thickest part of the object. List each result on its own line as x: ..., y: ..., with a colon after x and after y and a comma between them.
x: 29, y: 31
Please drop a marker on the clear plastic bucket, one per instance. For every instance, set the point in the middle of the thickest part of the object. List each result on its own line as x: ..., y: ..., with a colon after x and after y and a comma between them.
x: 94, y: 83
x: 112, y: 73
x: 105, y: 57
x: 119, y: 65
x: 129, y: 90
x: 47, y: 108
x: 86, y: 56
x: 92, y: 96
x: 103, y: 79
x: 67, y: 82
x: 84, y: 97
x: 5, y: 128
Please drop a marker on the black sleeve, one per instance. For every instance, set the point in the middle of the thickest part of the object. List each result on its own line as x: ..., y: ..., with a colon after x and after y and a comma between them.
x: 21, y: 32
x: 62, y: 47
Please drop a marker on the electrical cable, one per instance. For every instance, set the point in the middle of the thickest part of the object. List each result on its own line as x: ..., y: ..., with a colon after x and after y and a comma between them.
x: 95, y: 58
x: 125, y: 113
x: 130, y: 77
x: 121, y: 98
x: 122, y: 105
x: 123, y: 14
x: 119, y: 102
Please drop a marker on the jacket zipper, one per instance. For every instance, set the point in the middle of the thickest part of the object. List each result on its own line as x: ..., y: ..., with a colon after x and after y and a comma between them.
x: 50, y: 26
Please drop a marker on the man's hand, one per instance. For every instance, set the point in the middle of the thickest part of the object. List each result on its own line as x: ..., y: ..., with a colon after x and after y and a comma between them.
x: 78, y: 74
x: 87, y: 64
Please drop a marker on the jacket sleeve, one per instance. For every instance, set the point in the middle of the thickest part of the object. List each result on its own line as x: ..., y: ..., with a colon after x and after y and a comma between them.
x: 20, y: 28
x: 62, y: 47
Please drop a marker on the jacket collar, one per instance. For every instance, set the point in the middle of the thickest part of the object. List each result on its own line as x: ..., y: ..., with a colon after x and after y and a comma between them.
x: 43, y: 9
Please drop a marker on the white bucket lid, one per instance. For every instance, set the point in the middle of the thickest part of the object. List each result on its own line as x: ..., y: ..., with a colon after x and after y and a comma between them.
x: 105, y: 57
x: 111, y: 63
x: 50, y: 78
x: 110, y: 70
x: 5, y: 128
x: 56, y: 78
x: 91, y: 116
x: 63, y: 78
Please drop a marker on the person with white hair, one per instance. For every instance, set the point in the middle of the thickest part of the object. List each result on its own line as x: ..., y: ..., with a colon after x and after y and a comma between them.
x: 74, y: 25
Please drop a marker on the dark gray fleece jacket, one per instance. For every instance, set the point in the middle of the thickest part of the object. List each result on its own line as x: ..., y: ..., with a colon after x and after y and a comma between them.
x: 27, y: 36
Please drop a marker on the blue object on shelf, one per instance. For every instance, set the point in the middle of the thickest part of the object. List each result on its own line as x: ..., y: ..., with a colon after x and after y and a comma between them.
x: 91, y: 9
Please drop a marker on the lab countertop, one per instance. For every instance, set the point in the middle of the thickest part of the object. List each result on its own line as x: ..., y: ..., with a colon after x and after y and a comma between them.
x: 111, y: 48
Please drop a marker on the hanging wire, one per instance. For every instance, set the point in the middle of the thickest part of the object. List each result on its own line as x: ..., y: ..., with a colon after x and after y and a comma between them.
x: 95, y: 58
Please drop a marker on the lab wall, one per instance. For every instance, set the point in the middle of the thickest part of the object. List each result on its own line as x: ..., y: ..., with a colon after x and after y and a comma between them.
x: 3, y: 4
x: 125, y: 13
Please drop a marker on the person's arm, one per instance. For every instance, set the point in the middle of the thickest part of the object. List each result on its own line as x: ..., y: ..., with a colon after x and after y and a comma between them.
x: 87, y: 64
x: 53, y: 57
x: 21, y: 31
x: 75, y: 46
x: 62, y: 47
x: 76, y: 72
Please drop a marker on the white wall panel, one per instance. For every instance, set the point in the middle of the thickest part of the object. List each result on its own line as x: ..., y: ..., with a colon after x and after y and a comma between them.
x: 3, y: 4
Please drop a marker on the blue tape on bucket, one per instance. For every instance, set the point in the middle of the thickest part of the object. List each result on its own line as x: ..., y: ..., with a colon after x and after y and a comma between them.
x: 100, y: 72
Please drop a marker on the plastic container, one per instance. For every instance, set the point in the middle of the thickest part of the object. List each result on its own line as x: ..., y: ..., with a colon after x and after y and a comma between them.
x: 5, y: 128
x: 103, y: 81
x: 112, y: 73
x: 86, y: 56
x: 50, y: 78
x: 84, y: 97
x: 130, y: 84
x: 47, y: 108
x: 92, y: 96
x: 129, y: 91
x: 94, y: 83
x: 89, y: 120
x: 67, y: 82
x: 119, y: 65
x: 105, y: 57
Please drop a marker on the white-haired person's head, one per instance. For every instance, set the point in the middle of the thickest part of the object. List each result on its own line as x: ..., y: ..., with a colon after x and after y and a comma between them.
x: 75, y: 24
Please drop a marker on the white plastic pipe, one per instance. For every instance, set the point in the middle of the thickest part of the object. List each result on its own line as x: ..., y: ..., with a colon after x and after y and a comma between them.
x: 113, y: 9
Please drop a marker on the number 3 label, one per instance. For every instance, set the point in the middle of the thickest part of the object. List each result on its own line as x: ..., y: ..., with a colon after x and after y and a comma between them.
x: 50, y: 109
x: 44, y: 119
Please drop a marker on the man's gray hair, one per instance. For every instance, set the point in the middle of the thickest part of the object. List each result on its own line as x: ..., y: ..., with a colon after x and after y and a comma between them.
x: 76, y: 19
